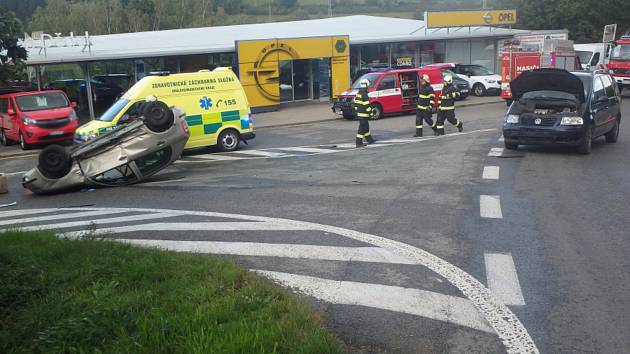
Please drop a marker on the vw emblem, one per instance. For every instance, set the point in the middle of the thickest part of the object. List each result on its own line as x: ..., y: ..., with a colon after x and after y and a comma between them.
x: 538, y: 121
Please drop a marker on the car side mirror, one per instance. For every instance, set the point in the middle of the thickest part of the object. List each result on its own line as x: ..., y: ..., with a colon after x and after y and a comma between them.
x: 73, y: 104
x: 588, y: 67
x: 10, y: 112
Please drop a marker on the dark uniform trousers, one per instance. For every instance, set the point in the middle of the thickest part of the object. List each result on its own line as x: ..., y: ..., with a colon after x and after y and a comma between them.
x: 363, y: 109
x: 446, y: 110
x: 426, y: 97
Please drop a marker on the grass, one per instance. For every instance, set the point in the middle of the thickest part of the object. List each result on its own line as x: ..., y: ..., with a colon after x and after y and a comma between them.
x: 78, y: 296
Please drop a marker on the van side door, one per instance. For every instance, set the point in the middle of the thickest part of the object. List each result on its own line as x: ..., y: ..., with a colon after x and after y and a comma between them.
x: 388, y: 93
x: 11, y: 122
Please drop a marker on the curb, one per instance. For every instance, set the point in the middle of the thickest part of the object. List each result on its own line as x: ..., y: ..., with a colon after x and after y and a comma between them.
x: 334, y: 119
x: 18, y: 154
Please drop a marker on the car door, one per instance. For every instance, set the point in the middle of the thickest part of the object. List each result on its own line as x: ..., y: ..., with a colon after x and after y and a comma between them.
x: 600, y: 106
x: 389, y: 93
x: 4, y: 105
x: 614, y: 101
x: 11, y: 124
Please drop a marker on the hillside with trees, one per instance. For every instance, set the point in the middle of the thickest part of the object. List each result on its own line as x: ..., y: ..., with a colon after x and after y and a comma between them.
x: 584, y: 18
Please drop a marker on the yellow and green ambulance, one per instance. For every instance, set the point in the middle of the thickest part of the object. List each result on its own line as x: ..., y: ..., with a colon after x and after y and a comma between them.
x: 217, y: 111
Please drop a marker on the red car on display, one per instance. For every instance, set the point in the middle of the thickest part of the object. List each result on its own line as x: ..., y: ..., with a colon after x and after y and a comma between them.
x: 36, y: 117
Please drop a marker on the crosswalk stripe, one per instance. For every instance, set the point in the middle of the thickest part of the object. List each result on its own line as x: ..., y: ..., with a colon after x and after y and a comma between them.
x: 496, y: 152
x: 97, y: 222
x: 216, y: 157
x: 333, y: 253
x: 197, y: 226
x: 261, y: 153
x: 57, y: 217
x: 396, y: 141
x: 21, y: 212
x: 442, y: 307
x: 307, y: 149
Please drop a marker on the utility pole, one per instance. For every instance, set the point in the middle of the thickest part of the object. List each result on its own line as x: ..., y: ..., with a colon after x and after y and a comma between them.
x: 269, y: 7
x: 329, y: 8
x: 484, y: 5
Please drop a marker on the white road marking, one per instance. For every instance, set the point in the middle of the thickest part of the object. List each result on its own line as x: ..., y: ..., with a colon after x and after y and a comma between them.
x: 490, y: 206
x: 496, y: 152
x: 14, y: 173
x: 97, y: 222
x: 215, y: 157
x: 259, y: 153
x: 56, y: 217
x: 346, y: 146
x: 307, y: 149
x: 501, y: 139
x: 333, y: 253
x: 490, y: 172
x: 505, y: 323
x: 503, y: 279
x: 397, y: 141
x: 22, y: 212
x: 406, y: 300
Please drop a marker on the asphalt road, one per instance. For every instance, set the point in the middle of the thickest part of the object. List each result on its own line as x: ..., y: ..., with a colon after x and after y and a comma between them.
x: 547, y: 231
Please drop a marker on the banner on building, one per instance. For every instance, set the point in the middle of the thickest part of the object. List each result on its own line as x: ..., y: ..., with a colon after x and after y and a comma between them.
x: 469, y: 18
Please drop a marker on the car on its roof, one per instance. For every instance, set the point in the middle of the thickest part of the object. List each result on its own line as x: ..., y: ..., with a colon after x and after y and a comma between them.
x: 555, y: 106
x: 126, y: 155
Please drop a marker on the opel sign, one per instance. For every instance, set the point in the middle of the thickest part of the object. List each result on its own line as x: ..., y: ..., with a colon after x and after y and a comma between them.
x: 469, y: 18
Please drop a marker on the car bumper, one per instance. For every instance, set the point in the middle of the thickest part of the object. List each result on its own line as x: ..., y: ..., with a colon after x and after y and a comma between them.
x: 343, y: 108
x: 34, y: 135
x: 622, y: 81
x: 248, y: 136
x: 569, y: 136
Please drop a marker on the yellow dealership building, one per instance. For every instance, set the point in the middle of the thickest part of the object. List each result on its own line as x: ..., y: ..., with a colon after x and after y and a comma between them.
x: 277, y: 63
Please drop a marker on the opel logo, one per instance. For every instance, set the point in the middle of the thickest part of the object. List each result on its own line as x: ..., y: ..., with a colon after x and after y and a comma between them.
x: 537, y: 121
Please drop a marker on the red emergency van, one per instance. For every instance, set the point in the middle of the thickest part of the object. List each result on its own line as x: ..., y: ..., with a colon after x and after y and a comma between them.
x: 619, y: 62
x: 392, y: 91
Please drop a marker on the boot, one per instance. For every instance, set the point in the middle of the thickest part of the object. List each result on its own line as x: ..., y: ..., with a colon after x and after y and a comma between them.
x: 418, y: 133
x: 439, y: 131
x: 359, y: 143
x: 370, y: 139
x: 460, y: 126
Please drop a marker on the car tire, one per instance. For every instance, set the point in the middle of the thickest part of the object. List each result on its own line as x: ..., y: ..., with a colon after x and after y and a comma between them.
x: 157, y: 116
x: 23, y: 144
x: 228, y: 140
x: 511, y: 146
x: 377, y: 111
x: 3, y: 138
x: 54, y: 162
x: 587, y: 145
x: 613, y: 134
x: 479, y: 90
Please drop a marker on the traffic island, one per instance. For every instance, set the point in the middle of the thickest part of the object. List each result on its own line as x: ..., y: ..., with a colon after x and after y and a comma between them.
x: 95, y: 295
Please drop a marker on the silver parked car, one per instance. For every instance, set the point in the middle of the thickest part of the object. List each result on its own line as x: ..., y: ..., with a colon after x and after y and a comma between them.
x: 125, y: 155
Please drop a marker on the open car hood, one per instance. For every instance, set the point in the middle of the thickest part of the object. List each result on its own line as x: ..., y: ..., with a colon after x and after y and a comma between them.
x: 547, y: 79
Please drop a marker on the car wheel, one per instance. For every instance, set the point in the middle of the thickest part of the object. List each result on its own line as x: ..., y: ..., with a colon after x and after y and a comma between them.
x: 511, y: 146
x: 3, y: 138
x: 377, y: 111
x: 587, y: 144
x: 613, y: 134
x: 479, y: 90
x: 54, y: 162
x: 229, y: 140
x: 157, y: 116
x: 23, y: 144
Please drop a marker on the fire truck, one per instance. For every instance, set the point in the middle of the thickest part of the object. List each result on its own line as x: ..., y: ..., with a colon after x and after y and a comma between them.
x: 518, y: 58
x: 619, y: 62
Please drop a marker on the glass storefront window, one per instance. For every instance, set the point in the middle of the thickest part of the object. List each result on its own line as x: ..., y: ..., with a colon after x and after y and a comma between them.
x: 375, y: 56
x: 355, y: 60
x: 482, y: 52
x: 404, y: 55
x: 431, y: 52
x: 458, y: 51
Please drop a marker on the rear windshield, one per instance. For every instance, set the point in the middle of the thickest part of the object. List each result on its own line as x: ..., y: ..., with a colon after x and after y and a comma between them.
x: 370, y: 77
x: 42, y: 101
x: 549, y: 95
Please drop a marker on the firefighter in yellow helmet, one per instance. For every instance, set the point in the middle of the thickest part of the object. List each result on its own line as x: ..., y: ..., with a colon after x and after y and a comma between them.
x: 426, y: 98
x: 363, y: 111
x: 446, y: 106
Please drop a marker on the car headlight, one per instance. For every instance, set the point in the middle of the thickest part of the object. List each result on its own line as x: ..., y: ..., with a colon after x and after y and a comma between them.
x: 572, y: 121
x: 511, y: 118
x: 28, y: 121
x: 72, y: 116
x: 490, y: 81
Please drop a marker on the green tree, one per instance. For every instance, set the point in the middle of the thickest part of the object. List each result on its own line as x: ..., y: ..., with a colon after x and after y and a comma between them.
x: 12, y: 55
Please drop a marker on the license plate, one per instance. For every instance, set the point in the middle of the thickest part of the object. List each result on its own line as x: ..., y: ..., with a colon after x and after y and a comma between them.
x: 339, y: 111
x: 55, y: 133
x: 465, y: 91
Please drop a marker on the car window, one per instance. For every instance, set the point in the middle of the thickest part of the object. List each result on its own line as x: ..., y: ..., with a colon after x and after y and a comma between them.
x: 595, y: 59
x: 598, y: 88
x: 132, y: 113
x: 42, y: 101
x: 388, y: 82
x: 4, y: 105
x: 608, y: 86
x: 584, y: 55
x: 153, y: 162
x: 117, y: 176
x: 480, y: 71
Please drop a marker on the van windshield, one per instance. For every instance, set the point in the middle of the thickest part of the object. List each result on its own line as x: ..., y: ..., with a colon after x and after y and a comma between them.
x: 585, y: 56
x: 42, y: 101
x: 112, y: 112
x: 370, y: 77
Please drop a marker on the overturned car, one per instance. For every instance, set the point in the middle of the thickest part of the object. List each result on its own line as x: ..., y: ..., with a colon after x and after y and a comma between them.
x: 126, y: 155
x: 554, y: 106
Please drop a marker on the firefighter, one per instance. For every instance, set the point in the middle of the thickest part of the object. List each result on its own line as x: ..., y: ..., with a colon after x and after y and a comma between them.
x: 426, y: 97
x: 363, y: 111
x: 446, y: 106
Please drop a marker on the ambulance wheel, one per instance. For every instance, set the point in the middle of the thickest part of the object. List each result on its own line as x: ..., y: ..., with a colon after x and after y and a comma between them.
x: 54, y: 162
x: 377, y: 111
x: 229, y: 140
x: 157, y: 116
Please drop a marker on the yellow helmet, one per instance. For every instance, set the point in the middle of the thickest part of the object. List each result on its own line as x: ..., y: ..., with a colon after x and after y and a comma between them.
x: 448, y: 79
x: 364, y: 83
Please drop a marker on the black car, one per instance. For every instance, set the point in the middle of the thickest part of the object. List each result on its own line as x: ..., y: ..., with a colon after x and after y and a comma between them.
x: 555, y: 106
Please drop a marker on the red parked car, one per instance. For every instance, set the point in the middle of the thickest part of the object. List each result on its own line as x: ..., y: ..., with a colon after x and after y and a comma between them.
x: 36, y: 117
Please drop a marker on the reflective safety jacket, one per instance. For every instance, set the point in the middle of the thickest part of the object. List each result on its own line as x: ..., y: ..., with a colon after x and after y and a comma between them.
x: 426, y: 96
x: 362, y: 104
x: 447, y: 97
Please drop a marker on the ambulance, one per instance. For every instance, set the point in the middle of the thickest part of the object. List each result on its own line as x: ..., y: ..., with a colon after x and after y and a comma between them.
x: 217, y: 111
